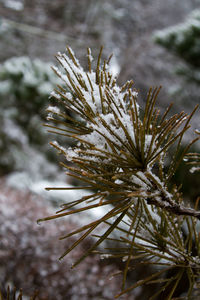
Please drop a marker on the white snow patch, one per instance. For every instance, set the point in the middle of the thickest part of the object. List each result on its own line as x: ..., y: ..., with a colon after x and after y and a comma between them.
x: 53, y: 109
x: 13, y: 4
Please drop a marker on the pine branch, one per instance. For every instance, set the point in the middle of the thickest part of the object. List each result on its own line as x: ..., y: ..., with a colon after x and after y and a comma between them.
x: 120, y: 155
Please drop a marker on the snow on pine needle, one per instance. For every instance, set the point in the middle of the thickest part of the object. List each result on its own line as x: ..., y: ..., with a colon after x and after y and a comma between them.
x: 120, y: 150
x: 193, y: 159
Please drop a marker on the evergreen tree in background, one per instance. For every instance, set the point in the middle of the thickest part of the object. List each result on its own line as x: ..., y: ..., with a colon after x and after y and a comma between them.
x: 184, y: 41
x: 25, y: 86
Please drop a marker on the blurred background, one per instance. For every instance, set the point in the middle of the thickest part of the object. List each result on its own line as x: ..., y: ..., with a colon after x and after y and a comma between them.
x: 154, y: 43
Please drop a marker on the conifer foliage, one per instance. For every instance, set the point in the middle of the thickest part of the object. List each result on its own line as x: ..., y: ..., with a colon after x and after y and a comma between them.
x: 182, y: 40
x: 13, y: 294
x: 122, y: 156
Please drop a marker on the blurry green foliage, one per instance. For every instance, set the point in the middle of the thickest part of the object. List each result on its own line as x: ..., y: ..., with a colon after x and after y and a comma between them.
x: 25, y: 86
x: 183, y: 39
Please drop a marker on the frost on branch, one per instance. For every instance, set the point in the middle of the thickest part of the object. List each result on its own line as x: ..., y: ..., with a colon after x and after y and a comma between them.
x: 120, y: 154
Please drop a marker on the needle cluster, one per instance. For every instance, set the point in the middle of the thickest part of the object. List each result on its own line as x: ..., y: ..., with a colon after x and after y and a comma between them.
x: 121, y: 154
